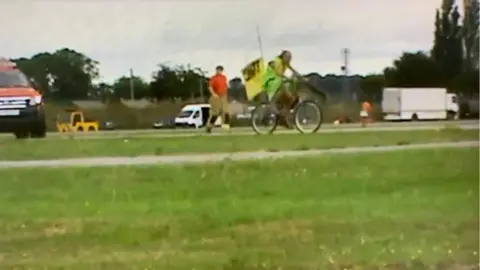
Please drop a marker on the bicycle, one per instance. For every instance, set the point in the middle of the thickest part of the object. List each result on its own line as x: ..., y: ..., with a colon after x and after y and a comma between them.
x: 269, y: 115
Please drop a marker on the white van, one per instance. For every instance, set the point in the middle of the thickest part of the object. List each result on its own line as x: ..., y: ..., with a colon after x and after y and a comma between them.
x: 194, y: 115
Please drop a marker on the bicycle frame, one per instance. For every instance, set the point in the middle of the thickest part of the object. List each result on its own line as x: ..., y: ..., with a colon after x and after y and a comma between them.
x: 295, y: 82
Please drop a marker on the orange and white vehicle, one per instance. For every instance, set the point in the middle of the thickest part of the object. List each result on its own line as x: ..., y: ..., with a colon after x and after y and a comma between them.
x: 21, y: 106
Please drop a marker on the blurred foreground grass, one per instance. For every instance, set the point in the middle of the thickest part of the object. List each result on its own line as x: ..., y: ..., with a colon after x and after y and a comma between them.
x: 409, y: 208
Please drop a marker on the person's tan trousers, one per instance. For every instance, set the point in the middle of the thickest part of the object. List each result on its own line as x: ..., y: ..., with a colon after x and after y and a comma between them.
x: 218, y: 107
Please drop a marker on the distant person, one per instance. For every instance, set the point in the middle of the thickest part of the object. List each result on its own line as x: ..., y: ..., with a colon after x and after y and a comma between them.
x: 365, y: 113
x: 218, y: 87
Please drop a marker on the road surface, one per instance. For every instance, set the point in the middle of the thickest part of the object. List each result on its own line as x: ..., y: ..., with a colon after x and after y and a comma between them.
x: 219, y: 157
x: 326, y: 128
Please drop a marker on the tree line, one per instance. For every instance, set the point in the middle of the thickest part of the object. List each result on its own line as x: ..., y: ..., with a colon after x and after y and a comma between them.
x: 452, y: 62
x: 67, y: 74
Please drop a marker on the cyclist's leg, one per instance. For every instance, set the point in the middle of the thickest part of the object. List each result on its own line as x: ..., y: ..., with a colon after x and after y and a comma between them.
x: 277, y: 99
x: 287, y: 99
x: 272, y: 88
x: 281, y: 103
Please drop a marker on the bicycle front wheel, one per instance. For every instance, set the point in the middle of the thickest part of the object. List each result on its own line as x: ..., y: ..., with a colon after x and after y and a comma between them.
x: 264, y: 119
x: 308, y: 116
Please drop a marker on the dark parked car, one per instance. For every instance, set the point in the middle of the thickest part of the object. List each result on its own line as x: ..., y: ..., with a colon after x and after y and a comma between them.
x: 164, y: 123
x: 109, y: 125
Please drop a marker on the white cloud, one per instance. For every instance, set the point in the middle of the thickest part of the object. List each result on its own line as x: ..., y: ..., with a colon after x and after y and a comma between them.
x: 136, y: 34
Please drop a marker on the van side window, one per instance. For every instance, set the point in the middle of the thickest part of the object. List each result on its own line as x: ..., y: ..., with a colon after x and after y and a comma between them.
x: 454, y: 99
x: 197, y: 114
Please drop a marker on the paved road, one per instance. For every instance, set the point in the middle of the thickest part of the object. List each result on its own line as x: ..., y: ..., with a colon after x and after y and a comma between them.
x: 327, y: 128
x: 202, y: 158
x: 249, y: 129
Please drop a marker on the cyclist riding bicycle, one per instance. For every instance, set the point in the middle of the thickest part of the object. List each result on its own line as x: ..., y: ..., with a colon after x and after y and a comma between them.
x: 273, y: 83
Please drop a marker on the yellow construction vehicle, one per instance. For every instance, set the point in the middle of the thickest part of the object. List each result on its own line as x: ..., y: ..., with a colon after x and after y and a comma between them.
x: 74, y: 121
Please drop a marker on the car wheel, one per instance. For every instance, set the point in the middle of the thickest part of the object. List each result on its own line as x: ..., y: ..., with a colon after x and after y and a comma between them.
x: 20, y: 135
x: 39, y: 132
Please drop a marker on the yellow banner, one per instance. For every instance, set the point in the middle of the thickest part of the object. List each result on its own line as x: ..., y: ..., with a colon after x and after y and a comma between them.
x: 253, y: 76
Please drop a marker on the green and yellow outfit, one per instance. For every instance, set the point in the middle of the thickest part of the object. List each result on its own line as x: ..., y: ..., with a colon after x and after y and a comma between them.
x: 271, y: 80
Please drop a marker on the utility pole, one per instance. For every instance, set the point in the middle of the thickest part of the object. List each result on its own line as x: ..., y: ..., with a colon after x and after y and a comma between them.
x: 132, y: 89
x: 345, y: 71
x: 259, y: 40
x: 200, y: 85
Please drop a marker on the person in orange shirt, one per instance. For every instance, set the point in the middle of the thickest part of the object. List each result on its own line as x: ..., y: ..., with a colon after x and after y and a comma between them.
x: 218, y: 87
x: 365, y: 113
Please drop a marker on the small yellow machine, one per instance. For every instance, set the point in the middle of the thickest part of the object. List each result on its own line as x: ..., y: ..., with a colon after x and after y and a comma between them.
x: 74, y: 121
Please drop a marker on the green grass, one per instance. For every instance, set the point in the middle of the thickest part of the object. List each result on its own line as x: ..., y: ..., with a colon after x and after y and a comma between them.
x: 305, y: 213
x: 63, y: 148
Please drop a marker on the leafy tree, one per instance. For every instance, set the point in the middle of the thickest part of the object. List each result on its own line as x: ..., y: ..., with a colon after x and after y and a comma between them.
x: 36, y: 68
x: 164, y: 83
x: 122, y: 87
x: 447, y: 49
x: 455, y: 48
x: 414, y: 70
x: 372, y: 86
x: 178, y: 82
x: 102, y: 91
x: 466, y: 83
x: 471, y: 21
x: 438, y: 50
x: 476, y: 44
x: 453, y: 64
x: 64, y: 74
x: 194, y: 83
x: 73, y: 73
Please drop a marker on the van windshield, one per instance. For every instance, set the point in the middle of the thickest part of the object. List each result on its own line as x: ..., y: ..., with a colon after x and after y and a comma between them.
x: 185, y: 114
x: 13, y: 78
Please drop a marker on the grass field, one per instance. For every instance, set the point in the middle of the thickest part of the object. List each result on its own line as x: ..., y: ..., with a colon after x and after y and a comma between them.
x: 409, y: 208
x: 63, y: 148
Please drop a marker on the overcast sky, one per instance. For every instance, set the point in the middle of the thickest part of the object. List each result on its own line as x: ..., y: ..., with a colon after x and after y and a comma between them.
x: 141, y: 34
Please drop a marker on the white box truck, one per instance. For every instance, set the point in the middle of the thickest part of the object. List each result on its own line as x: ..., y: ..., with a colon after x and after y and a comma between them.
x: 400, y: 104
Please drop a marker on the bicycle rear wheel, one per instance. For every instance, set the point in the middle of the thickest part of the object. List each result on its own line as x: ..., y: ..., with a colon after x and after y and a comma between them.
x: 308, y: 116
x: 264, y: 119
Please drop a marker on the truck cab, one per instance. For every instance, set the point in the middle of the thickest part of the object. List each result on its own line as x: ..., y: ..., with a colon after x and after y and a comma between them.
x: 21, y: 106
x: 452, y: 106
